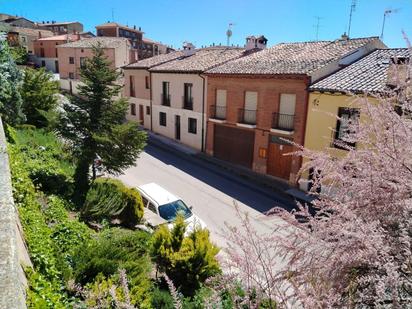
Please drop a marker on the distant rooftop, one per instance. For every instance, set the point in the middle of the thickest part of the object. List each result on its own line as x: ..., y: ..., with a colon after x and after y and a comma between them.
x: 201, y: 60
x: 114, y: 24
x: 105, y: 42
x: 63, y: 37
x: 58, y: 23
x: 293, y: 58
x: 368, y: 74
x: 155, y: 60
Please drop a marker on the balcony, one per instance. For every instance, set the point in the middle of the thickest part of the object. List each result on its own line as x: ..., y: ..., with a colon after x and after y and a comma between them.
x: 187, y: 103
x: 165, y: 99
x: 247, y: 116
x: 218, y: 112
x: 283, y: 122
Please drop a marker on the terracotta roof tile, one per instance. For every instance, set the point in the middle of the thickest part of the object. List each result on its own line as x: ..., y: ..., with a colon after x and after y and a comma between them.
x: 155, y: 60
x: 368, y: 74
x: 292, y: 58
x: 202, y: 60
x: 106, y: 42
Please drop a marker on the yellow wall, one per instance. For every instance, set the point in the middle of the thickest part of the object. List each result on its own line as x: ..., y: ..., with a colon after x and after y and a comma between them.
x: 321, y: 122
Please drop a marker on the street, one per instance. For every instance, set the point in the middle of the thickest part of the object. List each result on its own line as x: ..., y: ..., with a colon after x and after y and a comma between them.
x: 208, y: 189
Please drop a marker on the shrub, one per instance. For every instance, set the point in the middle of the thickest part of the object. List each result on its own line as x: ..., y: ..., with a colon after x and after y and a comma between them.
x: 162, y: 299
x: 188, y: 261
x: 111, y: 199
x: 115, y: 249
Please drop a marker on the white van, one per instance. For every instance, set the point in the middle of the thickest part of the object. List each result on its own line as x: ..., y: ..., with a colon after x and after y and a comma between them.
x: 167, y: 206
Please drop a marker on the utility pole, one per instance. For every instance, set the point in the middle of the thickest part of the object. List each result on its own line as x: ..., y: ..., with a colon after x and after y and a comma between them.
x: 352, y: 9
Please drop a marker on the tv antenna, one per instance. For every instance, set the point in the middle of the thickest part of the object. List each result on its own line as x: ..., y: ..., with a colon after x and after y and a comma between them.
x: 352, y: 9
x: 317, y: 26
x: 112, y: 14
x: 385, y: 14
x: 229, y: 33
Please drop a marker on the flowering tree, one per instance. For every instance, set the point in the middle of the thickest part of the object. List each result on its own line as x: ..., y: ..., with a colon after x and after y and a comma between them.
x: 355, y: 251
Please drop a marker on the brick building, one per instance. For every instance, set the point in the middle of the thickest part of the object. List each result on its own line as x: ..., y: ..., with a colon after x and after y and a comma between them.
x: 46, y: 52
x: 71, y: 57
x: 58, y: 28
x: 145, y: 47
x: 257, y: 102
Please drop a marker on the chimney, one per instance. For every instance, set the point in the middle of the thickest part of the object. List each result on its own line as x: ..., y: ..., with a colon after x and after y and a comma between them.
x: 134, y: 27
x: 344, y: 37
x: 140, y: 28
x: 39, y: 34
x: 253, y: 42
x: 188, y: 49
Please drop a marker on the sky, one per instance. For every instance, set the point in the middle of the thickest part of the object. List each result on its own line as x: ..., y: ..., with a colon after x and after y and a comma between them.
x: 204, y: 22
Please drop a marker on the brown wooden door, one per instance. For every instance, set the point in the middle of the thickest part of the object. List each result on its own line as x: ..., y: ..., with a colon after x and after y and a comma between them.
x: 278, y: 164
x: 234, y: 145
x: 141, y: 115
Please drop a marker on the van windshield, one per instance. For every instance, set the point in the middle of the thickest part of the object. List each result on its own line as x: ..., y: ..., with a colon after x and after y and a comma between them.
x: 170, y: 211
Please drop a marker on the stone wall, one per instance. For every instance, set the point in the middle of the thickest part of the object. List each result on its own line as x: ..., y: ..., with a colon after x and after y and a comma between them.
x: 13, y: 252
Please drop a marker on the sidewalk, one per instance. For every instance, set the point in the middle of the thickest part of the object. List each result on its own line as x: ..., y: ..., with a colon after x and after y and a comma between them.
x: 259, y: 180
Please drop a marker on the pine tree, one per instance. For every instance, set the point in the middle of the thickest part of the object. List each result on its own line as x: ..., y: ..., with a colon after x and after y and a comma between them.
x: 10, y: 79
x: 94, y: 122
x: 39, y: 93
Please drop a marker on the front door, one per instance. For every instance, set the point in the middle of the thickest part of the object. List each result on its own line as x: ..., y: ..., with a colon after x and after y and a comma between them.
x: 278, y: 163
x: 141, y: 115
x: 177, y: 127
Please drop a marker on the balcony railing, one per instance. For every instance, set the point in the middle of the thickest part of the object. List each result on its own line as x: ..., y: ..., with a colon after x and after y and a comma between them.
x: 283, y: 122
x: 187, y: 103
x: 218, y: 112
x: 247, y: 116
x: 165, y: 99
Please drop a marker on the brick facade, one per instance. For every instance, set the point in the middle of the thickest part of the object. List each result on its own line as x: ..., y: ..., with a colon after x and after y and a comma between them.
x: 269, y: 89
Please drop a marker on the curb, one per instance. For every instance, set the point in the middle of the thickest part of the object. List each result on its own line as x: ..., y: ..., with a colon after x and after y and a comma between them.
x: 237, y: 176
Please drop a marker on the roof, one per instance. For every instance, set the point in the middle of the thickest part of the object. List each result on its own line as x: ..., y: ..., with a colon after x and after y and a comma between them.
x: 293, y: 58
x: 368, y: 74
x: 63, y: 37
x: 154, y: 61
x: 106, y: 42
x: 113, y: 24
x: 58, y: 23
x: 31, y: 32
x: 202, y: 60
x: 158, y: 194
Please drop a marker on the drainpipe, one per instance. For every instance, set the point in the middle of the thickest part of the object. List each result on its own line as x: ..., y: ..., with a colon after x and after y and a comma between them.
x: 203, y: 113
x: 151, y: 109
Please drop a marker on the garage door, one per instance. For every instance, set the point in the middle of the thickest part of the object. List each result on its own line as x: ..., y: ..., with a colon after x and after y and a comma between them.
x: 234, y: 145
x: 279, y: 164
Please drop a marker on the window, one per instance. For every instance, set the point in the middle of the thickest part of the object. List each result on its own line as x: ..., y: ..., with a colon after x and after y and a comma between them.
x: 220, y: 108
x: 56, y: 65
x: 166, y: 93
x: 345, y: 127
x: 187, y: 98
x: 249, y: 112
x: 82, y: 62
x: 162, y: 119
x: 147, y: 82
x: 147, y: 110
x: 71, y: 75
x: 192, y: 126
x: 132, y: 86
x: 57, y: 55
x: 133, y: 109
x: 71, y: 60
x: 43, y: 63
x: 42, y: 52
x: 152, y: 207
x: 82, y: 50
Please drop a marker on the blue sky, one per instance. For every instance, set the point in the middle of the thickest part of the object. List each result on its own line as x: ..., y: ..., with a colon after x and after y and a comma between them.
x: 204, y: 22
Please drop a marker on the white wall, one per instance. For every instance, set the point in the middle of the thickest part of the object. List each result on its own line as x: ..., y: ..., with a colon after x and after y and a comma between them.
x: 176, y: 107
x: 65, y: 84
x: 146, y: 118
x: 50, y: 63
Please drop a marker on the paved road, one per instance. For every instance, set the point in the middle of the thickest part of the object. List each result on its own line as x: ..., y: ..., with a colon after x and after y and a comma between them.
x: 207, y: 188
